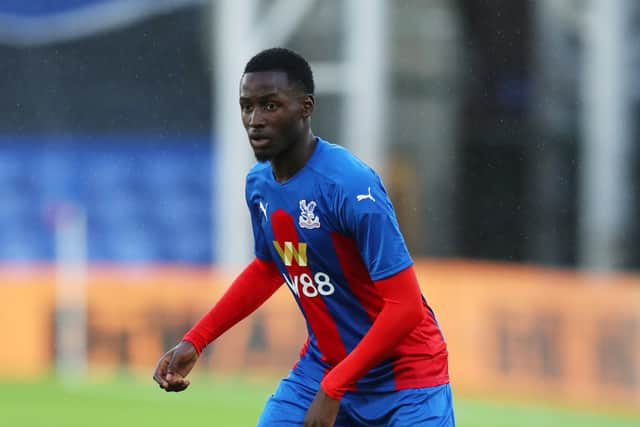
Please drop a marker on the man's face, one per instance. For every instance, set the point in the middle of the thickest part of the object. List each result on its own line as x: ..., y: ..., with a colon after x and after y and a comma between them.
x: 272, y: 112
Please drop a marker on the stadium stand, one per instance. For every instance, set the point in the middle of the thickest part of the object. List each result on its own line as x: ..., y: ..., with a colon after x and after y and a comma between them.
x: 146, y: 200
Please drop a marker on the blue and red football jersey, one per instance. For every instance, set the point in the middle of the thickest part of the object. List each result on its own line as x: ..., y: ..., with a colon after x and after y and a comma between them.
x: 332, y: 230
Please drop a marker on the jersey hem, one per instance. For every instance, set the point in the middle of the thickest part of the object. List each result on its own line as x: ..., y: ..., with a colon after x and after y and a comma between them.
x: 440, y: 380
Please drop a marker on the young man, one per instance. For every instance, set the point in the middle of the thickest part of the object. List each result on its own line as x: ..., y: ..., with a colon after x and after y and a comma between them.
x: 323, y: 224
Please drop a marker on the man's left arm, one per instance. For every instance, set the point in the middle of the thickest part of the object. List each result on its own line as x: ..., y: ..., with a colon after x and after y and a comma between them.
x: 365, y: 213
x: 401, y: 313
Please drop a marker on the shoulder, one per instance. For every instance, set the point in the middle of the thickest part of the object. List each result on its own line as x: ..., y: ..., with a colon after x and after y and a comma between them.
x: 259, y: 172
x: 259, y: 168
x: 355, y: 189
x: 342, y: 168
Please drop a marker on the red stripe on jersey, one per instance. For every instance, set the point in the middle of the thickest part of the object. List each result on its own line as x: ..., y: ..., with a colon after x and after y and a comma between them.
x: 421, y: 359
x: 356, y: 274
x: 417, y: 371
x: 322, y: 324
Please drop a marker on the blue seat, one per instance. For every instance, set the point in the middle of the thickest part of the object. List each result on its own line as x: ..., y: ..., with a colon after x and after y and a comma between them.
x: 23, y: 243
x: 55, y: 176
x: 127, y: 244
x: 164, y: 173
x: 115, y: 208
x: 192, y: 245
x: 175, y: 208
x: 144, y: 201
x: 14, y: 205
x: 11, y: 166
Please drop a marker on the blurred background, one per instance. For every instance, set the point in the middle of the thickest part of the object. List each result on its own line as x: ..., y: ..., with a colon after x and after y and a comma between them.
x: 505, y: 131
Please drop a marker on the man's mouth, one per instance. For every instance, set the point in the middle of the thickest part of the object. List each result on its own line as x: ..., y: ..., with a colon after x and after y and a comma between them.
x: 258, y: 142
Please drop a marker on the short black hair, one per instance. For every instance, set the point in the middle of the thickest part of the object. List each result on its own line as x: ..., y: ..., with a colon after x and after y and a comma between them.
x: 286, y: 60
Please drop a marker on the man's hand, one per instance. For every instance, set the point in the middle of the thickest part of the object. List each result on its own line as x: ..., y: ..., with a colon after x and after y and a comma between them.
x: 174, y: 366
x: 322, y: 412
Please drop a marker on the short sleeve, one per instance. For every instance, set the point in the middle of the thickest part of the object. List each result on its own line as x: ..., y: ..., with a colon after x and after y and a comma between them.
x: 261, y: 248
x: 367, y: 215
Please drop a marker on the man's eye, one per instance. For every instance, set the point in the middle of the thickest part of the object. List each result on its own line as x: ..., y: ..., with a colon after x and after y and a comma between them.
x: 246, y: 108
x: 270, y: 106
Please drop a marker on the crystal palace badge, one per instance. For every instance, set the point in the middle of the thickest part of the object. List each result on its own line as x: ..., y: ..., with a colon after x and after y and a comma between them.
x: 307, y: 218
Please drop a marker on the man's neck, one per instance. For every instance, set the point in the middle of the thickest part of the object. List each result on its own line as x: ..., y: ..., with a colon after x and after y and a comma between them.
x: 289, y: 163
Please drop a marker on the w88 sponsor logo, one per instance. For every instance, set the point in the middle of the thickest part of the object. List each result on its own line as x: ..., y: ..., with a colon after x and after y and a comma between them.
x: 319, y: 284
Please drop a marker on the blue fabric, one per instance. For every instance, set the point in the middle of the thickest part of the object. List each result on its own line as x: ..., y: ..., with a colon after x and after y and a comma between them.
x: 349, y: 198
x: 420, y: 407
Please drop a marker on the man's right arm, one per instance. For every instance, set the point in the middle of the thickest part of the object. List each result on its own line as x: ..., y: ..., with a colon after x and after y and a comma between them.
x: 257, y: 282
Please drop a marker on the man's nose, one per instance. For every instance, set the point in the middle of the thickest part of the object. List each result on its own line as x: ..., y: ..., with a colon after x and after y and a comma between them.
x: 256, y: 118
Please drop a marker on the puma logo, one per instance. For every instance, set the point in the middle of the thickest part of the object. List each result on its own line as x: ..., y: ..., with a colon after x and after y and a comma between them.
x: 361, y: 197
x: 263, y: 208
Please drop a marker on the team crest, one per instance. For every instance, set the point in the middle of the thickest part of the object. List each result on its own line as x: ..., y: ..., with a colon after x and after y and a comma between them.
x: 307, y: 218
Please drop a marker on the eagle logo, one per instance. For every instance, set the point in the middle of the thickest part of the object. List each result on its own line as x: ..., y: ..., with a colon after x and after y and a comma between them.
x: 307, y: 218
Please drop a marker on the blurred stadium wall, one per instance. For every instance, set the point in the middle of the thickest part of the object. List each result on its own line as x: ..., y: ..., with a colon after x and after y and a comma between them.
x: 509, y: 134
x: 511, y: 330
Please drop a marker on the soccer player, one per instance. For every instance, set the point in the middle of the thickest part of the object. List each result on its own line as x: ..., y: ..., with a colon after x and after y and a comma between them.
x: 324, y: 225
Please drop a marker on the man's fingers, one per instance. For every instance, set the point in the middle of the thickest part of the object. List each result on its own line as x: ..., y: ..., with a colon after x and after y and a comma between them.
x: 172, y: 368
x: 172, y: 373
x: 178, y: 385
x: 176, y: 381
x: 159, y: 378
x: 172, y: 382
x: 175, y: 378
x: 161, y: 372
x: 161, y: 382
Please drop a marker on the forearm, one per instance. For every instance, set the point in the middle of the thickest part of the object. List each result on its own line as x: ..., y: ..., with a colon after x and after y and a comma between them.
x: 401, y: 313
x: 255, y: 284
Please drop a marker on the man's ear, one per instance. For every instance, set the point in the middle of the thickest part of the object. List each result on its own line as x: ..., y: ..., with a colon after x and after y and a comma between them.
x: 308, y: 103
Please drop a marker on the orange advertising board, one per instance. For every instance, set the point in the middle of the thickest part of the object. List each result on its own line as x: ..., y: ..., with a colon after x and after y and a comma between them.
x: 510, y: 329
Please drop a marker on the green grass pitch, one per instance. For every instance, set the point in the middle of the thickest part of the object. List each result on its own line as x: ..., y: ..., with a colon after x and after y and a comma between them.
x: 227, y: 403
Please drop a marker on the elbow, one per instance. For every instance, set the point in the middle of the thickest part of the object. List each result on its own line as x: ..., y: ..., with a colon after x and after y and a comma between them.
x: 417, y: 313
x: 413, y: 314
